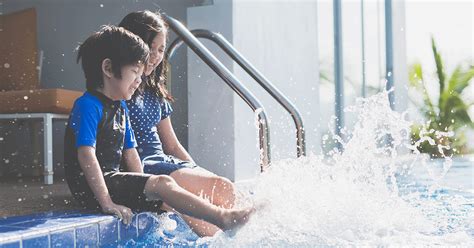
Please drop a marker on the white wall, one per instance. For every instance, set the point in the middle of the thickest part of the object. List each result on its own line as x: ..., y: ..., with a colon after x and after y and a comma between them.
x: 400, y: 69
x: 210, y: 100
x: 279, y: 39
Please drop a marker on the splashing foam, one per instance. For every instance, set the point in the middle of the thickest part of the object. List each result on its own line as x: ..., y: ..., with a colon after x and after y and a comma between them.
x: 351, y: 198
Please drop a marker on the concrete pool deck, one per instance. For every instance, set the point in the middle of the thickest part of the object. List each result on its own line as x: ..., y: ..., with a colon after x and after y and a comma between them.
x: 27, y: 195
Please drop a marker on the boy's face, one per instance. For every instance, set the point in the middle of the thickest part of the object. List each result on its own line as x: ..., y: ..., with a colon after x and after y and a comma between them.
x: 157, y: 51
x: 131, y: 78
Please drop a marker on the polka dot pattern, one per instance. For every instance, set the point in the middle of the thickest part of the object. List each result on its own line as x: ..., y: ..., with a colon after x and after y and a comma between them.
x: 146, y: 111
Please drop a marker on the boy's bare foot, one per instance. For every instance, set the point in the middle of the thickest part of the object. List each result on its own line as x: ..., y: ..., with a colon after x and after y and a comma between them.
x: 233, y: 218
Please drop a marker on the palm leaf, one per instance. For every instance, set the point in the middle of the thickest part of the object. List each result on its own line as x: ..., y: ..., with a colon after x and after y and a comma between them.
x: 454, y: 79
x: 456, y: 111
x: 324, y: 77
x: 439, y: 66
x: 459, y: 80
x: 453, y: 111
x: 416, y: 80
x: 415, y: 76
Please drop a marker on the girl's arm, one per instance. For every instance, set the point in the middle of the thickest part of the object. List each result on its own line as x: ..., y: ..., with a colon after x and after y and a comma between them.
x: 171, y: 144
x: 94, y: 177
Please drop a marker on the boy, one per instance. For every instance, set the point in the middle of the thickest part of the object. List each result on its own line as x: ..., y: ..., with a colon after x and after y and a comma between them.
x: 99, y: 139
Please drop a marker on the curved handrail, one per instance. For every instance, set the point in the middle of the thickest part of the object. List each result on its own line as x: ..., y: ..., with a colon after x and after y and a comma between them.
x: 256, y: 75
x: 232, y: 81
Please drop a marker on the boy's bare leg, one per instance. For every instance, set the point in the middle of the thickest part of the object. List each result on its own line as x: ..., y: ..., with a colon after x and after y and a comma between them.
x: 166, y: 189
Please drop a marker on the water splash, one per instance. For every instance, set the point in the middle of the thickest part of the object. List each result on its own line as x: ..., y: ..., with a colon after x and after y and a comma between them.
x: 354, y: 197
x: 371, y: 194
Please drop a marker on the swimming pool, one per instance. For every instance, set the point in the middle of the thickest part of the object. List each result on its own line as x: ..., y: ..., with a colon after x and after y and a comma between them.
x: 377, y: 192
x: 423, y: 212
x: 327, y: 212
x: 374, y: 193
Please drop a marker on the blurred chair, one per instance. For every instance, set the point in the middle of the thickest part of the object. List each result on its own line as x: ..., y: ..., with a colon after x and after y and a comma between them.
x: 20, y: 92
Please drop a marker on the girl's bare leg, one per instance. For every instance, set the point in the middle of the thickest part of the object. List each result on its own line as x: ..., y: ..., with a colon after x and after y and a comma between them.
x: 200, y: 227
x: 166, y: 189
x: 218, y: 190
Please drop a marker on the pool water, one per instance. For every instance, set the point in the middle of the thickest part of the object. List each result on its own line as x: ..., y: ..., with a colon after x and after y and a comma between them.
x: 172, y: 231
x: 377, y: 192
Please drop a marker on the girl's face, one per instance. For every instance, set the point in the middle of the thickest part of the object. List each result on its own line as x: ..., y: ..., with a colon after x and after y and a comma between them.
x: 157, y: 51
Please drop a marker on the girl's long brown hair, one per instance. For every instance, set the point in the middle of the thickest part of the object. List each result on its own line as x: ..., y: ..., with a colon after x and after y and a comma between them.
x: 147, y: 25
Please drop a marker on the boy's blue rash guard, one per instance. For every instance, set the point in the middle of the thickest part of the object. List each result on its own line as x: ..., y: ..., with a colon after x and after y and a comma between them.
x: 146, y: 111
x: 102, y: 123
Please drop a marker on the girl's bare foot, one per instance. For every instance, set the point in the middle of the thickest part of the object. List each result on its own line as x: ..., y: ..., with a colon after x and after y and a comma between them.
x: 233, y: 218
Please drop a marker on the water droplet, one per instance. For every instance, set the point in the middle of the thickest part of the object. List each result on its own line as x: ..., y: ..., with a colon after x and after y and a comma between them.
x: 101, y: 5
x: 25, y: 97
x: 6, y: 65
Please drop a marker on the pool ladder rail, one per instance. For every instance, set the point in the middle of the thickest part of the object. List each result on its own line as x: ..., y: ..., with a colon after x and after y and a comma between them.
x: 190, y: 38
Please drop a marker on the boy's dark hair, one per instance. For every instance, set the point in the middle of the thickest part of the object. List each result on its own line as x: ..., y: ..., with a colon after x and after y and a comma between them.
x: 147, y: 25
x: 119, y: 45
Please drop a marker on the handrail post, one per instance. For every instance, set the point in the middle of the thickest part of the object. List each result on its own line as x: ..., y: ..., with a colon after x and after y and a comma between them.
x: 257, y: 76
x: 232, y: 81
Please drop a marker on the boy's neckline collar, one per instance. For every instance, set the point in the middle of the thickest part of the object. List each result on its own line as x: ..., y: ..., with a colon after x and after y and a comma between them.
x: 101, y: 96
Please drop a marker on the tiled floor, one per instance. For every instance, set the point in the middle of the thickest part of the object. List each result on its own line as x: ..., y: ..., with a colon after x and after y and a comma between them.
x: 22, y: 196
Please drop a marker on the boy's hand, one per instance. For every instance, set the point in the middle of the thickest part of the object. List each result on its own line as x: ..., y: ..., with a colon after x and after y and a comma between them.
x: 123, y: 213
x: 91, y: 168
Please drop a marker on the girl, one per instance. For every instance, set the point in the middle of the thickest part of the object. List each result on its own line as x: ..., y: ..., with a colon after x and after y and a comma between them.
x: 159, y: 149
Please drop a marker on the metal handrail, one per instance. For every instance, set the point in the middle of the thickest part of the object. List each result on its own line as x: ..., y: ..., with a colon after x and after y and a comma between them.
x: 232, y: 81
x: 256, y: 75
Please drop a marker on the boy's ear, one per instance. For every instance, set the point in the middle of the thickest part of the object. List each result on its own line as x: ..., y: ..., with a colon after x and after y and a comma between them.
x: 107, y: 68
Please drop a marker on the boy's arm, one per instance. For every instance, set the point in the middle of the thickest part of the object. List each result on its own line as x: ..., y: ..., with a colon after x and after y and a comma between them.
x: 93, y: 174
x: 132, y: 160
x: 130, y: 155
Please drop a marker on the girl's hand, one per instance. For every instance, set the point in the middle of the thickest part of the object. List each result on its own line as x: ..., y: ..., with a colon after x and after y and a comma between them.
x: 123, y: 213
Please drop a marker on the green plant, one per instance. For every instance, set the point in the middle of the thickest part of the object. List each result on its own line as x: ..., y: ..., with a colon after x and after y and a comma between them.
x: 447, y: 120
